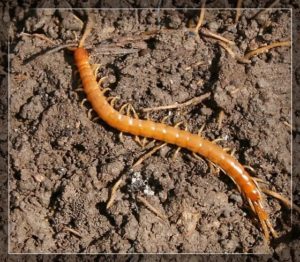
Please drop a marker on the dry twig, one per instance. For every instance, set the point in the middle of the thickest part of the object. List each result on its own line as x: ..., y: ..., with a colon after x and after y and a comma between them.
x: 193, y: 101
x: 284, y: 200
x: 238, y: 10
x: 201, y: 17
x: 208, y: 33
x: 113, y: 193
x: 151, y: 208
x: 265, y: 49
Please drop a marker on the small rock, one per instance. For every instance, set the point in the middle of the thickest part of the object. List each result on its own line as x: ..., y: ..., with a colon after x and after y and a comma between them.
x: 92, y: 171
x: 213, y: 26
x: 113, y: 168
x: 262, y: 83
x: 32, y: 110
x: 262, y: 18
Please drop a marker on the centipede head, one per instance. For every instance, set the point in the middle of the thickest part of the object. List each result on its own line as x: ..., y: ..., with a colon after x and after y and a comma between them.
x: 81, y: 56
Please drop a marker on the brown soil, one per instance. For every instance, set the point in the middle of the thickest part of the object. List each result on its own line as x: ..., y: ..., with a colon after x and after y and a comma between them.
x: 63, y: 165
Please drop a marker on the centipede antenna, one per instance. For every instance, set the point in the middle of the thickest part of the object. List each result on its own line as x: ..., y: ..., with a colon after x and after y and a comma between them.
x: 87, y: 30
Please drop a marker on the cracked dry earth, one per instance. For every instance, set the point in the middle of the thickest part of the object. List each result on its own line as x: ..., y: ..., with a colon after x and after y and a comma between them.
x: 63, y: 165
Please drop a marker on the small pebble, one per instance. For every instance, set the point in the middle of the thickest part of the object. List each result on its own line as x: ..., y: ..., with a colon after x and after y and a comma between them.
x: 213, y: 26
x: 262, y: 83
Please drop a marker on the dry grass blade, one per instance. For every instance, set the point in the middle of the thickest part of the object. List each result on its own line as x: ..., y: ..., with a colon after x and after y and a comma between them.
x: 220, y: 119
x: 201, y: 17
x: 113, y: 193
x: 266, y: 9
x: 266, y: 48
x: 147, y: 155
x: 43, y: 37
x: 194, y: 101
x: 74, y: 232
x: 206, y: 32
x: 233, y: 54
x: 238, y: 10
x: 151, y: 208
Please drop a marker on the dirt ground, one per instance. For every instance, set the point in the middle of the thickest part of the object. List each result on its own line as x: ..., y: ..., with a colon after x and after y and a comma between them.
x: 63, y: 165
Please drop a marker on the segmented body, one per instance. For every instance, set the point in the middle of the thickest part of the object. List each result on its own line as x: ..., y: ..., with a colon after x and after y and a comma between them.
x: 171, y: 135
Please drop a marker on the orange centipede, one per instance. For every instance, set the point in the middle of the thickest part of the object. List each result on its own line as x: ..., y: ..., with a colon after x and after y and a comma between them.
x: 171, y: 135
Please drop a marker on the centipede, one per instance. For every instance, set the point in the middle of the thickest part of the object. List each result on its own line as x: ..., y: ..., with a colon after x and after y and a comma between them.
x: 246, y: 184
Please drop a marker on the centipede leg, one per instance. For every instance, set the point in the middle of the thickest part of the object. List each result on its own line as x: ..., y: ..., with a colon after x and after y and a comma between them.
x: 212, y: 166
x: 95, y: 69
x: 215, y: 168
x: 79, y: 89
x: 122, y: 111
x: 83, y: 101
x: 101, y: 80
x: 145, y: 140
x: 112, y: 100
x: 199, y: 134
x: 90, y: 113
x: 129, y: 108
x: 103, y: 91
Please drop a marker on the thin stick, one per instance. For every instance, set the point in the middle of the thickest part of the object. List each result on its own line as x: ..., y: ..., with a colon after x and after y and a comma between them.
x: 266, y: 48
x: 56, y: 49
x: 284, y: 200
x: 233, y: 54
x: 220, y: 119
x: 152, y: 208
x: 260, y: 12
x: 288, y: 124
x: 194, y: 101
x: 238, y: 10
x: 147, y: 155
x: 113, y: 193
x: 201, y: 17
x: 227, y: 48
x: 208, y: 33
x: 72, y: 231
x: 39, y: 36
